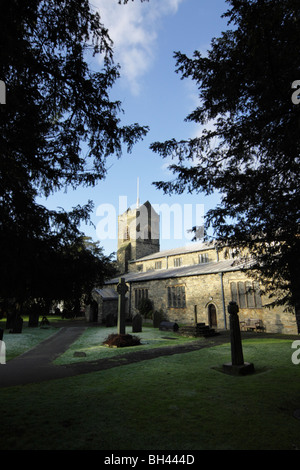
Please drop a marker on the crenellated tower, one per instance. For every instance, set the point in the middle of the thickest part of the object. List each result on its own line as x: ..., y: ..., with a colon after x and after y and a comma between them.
x: 138, y: 234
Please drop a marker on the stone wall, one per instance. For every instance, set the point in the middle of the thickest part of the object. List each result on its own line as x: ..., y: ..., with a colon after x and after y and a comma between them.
x: 187, y: 259
x: 211, y: 289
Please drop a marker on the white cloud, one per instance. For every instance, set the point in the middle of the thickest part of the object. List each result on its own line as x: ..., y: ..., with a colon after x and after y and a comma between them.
x: 134, y: 30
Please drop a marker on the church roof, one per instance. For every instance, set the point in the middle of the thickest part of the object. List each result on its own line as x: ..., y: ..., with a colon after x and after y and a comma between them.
x: 177, y: 251
x: 107, y: 293
x: 213, y: 267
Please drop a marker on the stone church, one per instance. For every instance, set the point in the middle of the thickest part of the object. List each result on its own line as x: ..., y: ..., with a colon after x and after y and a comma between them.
x: 190, y: 284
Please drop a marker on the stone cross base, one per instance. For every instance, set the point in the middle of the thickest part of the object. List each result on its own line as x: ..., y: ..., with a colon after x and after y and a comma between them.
x: 243, y: 369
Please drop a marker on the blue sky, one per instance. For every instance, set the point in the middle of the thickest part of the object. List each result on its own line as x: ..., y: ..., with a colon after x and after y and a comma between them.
x: 145, y: 36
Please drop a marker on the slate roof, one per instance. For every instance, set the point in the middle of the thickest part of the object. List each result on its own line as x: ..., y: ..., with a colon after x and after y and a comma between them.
x: 107, y: 293
x: 213, y: 267
x: 177, y: 251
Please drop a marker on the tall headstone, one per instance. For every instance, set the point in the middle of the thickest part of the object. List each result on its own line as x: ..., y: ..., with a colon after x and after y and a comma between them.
x: 137, y: 323
x: 111, y: 320
x: 158, y: 317
x: 33, y: 321
x: 17, y: 326
x: 237, y: 366
x: 122, y: 288
x: 195, y: 315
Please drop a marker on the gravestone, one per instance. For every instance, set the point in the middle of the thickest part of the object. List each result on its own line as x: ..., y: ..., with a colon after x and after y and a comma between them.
x: 237, y: 366
x: 10, y: 319
x: 111, y: 320
x: 137, y: 323
x: 44, y: 323
x: 168, y: 326
x: 195, y: 315
x: 17, y: 326
x: 158, y: 317
x: 34, y: 314
x: 122, y: 288
x: 33, y: 321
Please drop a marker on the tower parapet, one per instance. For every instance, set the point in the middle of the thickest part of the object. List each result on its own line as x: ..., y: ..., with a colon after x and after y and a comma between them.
x: 138, y: 234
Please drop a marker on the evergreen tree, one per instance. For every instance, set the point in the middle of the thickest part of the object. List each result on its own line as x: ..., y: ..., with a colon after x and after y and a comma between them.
x: 58, y: 128
x: 248, y: 149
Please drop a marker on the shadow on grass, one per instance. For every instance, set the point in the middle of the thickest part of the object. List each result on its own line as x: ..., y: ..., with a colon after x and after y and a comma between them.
x: 257, y: 370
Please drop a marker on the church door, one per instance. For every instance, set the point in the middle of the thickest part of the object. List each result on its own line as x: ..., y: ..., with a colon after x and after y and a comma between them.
x: 212, y: 316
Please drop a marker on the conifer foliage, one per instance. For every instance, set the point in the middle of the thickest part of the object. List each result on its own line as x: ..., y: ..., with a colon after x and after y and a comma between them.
x: 58, y: 129
x: 247, y: 148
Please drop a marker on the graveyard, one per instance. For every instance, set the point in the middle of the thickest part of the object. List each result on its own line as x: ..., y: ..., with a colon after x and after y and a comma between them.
x: 179, y: 401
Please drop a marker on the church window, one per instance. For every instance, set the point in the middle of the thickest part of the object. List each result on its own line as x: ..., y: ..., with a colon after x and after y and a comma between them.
x: 203, y: 258
x: 250, y: 294
x: 257, y: 295
x: 157, y: 264
x: 246, y: 294
x: 242, y: 295
x: 176, y: 296
x: 140, y: 294
x: 177, y: 262
x: 234, y: 296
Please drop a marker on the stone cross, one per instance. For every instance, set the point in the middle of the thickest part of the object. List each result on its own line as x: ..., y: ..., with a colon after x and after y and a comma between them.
x: 237, y: 366
x: 237, y: 356
x: 121, y: 289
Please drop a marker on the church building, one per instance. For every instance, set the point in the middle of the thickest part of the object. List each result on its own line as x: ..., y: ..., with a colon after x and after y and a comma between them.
x: 190, y: 284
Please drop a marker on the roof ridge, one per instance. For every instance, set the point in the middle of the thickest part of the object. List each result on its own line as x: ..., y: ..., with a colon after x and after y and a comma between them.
x: 180, y: 250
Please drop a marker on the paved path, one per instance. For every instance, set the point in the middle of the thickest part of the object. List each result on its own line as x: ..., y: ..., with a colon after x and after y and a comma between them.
x: 37, y: 365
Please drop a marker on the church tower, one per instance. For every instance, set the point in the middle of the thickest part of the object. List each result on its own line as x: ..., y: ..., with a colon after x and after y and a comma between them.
x: 138, y: 234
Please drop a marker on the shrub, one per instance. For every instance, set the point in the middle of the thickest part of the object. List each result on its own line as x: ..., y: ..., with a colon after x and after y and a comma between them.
x: 121, y: 341
x: 145, y: 307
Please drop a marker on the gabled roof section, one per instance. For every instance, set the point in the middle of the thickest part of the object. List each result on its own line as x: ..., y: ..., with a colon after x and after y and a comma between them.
x: 107, y: 293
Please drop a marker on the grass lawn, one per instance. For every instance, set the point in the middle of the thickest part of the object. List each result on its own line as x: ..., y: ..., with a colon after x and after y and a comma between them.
x: 180, y: 402
x: 91, y: 343
x: 17, y: 344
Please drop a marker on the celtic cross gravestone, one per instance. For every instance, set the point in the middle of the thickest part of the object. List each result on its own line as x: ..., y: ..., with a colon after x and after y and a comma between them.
x: 122, y: 288
x: 237, y: 366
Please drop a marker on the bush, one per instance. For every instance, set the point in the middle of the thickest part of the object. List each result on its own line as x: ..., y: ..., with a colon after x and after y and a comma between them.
x: 158, y: 317
x: 145, y: 307
x: 121, y: 341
